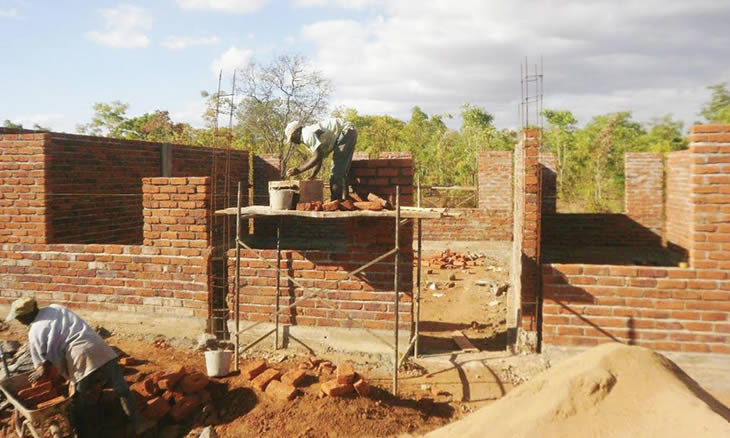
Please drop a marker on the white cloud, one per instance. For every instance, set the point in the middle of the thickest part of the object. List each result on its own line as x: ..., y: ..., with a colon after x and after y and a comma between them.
x: 180, y: 43
x: 231, y: 59
x: 191, y: 112
x: 9, y: 13
x: 652, y: 56
x: 239, y: 6
x: 124, y: 27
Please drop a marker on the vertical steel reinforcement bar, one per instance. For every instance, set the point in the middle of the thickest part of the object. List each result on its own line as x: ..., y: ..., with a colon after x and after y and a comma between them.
x: 237, y: 304
x: 418, y: 278
x: 396, y: 286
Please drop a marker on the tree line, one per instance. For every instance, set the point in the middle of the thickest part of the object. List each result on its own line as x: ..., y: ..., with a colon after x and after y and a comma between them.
x: 590, y: 158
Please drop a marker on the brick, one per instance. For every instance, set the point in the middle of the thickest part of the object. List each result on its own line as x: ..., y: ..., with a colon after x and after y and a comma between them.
x: 146, y: 388
x: 335, y: 389
x: 169, y: 380
x: 263, y: 379
x: 345, y: 372
x: 253, y: 369
x: 184, y: 408
x: 193, y: 382
x: 362, y: 387
x: 156, y: 408
x: 293, y: 377
x: 280, y: 390
x: 51, y: 402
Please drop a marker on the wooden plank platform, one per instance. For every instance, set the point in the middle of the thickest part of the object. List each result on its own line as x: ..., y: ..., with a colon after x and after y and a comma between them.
x: 463, y: 342
x: 405, y: 213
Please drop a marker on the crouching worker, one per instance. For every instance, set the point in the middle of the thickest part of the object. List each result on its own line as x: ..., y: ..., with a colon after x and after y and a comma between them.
x: 60, y: 338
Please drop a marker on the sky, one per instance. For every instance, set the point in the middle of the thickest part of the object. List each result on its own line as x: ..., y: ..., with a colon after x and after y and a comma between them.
x: 652, y: 57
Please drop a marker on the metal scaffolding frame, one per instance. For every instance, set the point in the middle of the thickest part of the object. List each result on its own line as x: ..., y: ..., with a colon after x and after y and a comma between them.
x: 401, y: 216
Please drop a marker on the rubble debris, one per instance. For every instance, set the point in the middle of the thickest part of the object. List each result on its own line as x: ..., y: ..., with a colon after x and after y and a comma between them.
x: 326, y: 367
x: 334, y: 389
x: 253, y: 369
x: 452, y: 260
x: 281, y: 390
x: 263, y: 379
x: 293, y: 377
x: 346, y: 372
x: 193, y: 382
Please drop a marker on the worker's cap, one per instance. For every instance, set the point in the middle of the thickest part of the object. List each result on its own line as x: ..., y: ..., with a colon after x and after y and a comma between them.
x: 21, y: 306
x: 290, y: 128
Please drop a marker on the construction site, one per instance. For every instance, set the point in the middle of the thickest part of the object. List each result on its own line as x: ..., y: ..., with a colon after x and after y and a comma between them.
x: 376, y: 315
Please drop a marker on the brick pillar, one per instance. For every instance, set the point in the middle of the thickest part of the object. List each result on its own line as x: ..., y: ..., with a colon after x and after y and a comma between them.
x: 710, y: 196
x: 23, y: 198
x: 527, y: 221
x: 176, y: 214
x: 644, y: 190
x: 495, y: 180
x: 549, y: 169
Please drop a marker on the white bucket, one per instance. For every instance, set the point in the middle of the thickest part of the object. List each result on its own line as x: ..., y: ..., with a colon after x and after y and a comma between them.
x: 281, y: 199
x: 218, y: 362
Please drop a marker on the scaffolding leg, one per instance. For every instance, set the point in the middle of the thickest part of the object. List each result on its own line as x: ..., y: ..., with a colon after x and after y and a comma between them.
x: 237, y: 294
x: 396, y: 286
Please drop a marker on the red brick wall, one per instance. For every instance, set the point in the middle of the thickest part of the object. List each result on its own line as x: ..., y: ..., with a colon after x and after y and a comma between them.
x: 474, y: 224
x: 710, y: 196
x: 22, y: 188
x: 367, y: 299
x: 92, y: 185
x: 595, y: 229
x: 495, y: 180
x: 678, y: 209
x: 527, y: 223
x: 167, y: 276
x: 644, y: 189
x: 670, y: 309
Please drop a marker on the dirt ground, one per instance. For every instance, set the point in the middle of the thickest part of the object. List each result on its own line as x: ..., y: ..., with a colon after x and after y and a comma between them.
x: 471, y: 300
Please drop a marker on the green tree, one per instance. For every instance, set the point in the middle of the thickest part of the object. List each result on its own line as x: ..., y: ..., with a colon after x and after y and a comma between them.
x: 717, y: 110
x: 560, y: 139
x: 107, y: 120
x: 664, y: 135
x: 273, y: 95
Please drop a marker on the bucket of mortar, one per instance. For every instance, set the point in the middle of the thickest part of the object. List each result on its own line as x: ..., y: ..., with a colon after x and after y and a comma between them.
x: 218, y: 362
x: 281, y: 199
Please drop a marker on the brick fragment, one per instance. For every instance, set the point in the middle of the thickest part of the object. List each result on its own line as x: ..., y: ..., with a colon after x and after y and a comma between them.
x: 372, y: 206
x: 334, y: 389
x: 129, y: 361
x: 331, y: 206
x: 346, y: 372
x: 41, y: 397
x: 184, y: 408
x: 347, y: 205
x: 282, y: 391
x: 293, y: 377
x: 51, y: 402
x: 194, y: 382
x: 173, y: 396
x: 171, y: 379
x: 34, y: 390
x: 263, y: 379
x: 146, y: 388
x: 326, y: 367
x: 253, y: 369
x: 362, y: 387
x: 156, y: 408
x: 372, y: 197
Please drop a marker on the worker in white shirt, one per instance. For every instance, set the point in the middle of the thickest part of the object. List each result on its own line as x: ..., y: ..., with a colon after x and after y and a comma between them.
x: 336, y: 136
x: 60, y: 338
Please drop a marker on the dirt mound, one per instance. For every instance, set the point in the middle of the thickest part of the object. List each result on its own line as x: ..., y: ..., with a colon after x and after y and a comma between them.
x: 612, y: 390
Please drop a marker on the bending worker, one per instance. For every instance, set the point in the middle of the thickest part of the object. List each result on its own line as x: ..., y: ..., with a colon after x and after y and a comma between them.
x: 60, y: 338
x: 334, y: 135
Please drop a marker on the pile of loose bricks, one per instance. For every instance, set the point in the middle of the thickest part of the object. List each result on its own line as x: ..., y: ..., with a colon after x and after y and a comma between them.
x: 45, y: 392
x: 353, y: 202
x: 284, y: 386
x: 179, y: 393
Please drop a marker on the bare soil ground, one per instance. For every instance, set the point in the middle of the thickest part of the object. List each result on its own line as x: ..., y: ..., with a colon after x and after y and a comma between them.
x: 471, y: 300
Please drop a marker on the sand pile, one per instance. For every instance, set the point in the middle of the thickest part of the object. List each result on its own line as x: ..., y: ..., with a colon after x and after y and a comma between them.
x: 612, y: 390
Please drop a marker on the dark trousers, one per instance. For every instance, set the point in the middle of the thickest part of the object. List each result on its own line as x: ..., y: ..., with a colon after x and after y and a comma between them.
x: 88, y: 391
x: 341, y: 161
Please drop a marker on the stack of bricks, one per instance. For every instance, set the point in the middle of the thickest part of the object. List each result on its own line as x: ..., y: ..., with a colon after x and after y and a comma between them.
x: 22, y: 192
x: 644, y: 185
x: 178, y: 393
x: 678, y: 209
x: 528, y: 215
x: 492, y: 219
x: 362, y: 302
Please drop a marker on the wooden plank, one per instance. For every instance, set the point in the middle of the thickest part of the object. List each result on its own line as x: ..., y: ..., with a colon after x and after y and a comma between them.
x: 463, y: 342
x: 406, y: 212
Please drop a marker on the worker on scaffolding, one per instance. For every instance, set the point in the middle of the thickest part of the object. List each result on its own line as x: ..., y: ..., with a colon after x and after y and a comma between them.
x: 59, y: 338
x: 333, y: 135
